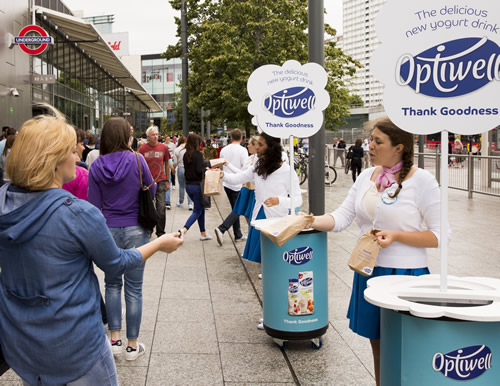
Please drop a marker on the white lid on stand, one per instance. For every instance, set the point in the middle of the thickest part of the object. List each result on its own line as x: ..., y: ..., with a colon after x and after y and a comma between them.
x: 467, y: 298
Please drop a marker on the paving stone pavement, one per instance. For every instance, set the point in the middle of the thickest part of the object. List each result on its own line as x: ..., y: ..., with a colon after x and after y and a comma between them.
x: 202, y: 304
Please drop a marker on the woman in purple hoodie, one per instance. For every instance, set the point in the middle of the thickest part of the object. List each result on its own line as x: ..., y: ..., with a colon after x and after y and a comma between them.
x: 114, y: 188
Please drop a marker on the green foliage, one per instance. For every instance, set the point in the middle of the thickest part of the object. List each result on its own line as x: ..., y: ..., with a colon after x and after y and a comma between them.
x: 229, y: 39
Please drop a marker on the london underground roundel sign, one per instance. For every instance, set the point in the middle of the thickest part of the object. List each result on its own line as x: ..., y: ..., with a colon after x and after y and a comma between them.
x: 440, y: 64
x: 42, y: 40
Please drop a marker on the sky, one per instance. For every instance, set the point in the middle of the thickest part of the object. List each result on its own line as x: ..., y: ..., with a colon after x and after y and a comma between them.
x: 152, y: 27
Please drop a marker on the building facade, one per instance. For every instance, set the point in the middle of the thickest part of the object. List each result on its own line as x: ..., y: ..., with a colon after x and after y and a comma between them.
x: 79, y: 73
x: 162, y: 79
x: 359, y: 40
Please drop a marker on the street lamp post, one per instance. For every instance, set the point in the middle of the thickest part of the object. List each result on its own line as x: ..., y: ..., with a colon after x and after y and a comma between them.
x: 316, y: 183
x: 185, y: 122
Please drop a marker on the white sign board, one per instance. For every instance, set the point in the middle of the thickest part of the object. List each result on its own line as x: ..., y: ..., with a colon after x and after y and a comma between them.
x: 288, y: 100
x: 440, y: 63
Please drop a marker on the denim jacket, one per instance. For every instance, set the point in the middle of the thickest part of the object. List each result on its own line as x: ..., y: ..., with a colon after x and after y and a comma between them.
x: 50, y: 321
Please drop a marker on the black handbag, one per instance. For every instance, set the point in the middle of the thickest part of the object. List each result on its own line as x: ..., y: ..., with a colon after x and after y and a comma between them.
x: 148, y: 217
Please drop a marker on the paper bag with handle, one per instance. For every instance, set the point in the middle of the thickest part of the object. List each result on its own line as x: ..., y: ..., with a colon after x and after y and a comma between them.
x: 213, y: 182
x: 365, y: 254
x: 287, y: 227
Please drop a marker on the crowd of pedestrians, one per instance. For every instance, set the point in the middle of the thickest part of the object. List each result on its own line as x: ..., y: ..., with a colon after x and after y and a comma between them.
x: 77, y: 204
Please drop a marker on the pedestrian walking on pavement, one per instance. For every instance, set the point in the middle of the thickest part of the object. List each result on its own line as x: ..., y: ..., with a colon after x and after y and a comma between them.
x: 194, y: 169
x: 236, y: 155
x: 246, y: 198
x: 357, y: 153
x: 338, y: 151
x: 179, y: 164
x: 114, y: 186
x: 396, y: 197
x: 52, y: 332
x: 366, y: 153
x: 157, y: 156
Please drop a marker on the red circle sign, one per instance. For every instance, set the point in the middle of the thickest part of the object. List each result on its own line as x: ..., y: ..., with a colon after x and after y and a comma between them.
x: 41, y: 32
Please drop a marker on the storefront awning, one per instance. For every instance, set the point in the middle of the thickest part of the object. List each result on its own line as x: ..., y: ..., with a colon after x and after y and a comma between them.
x: 90, y: 40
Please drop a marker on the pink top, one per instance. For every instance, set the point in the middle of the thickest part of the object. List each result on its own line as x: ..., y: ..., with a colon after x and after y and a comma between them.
x: 79, y: 187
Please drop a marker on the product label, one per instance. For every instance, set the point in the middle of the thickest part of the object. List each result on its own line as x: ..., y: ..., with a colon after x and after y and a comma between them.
x: 463, y: 364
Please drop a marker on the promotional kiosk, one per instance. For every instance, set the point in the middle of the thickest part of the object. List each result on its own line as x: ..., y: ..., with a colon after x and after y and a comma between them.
x: 289, y: 101
x: 439, y: 62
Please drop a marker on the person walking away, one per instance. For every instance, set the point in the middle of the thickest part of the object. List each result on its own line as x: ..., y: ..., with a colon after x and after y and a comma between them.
x: 398, y: 198
x: 134, y: 144
x: 157, y: 156
x: 179, y: 163
x: 246, y: 198
x: 171, y: 147
x: 457, y: 150
x: 357, y: 158
x: 209, y: 151
x: 92, y: 140
x: 236, y: 155
x: 194, y: 169
x: 52, y: 332
x: 338, y: 152
x: 114, y: 187
x: 6, y: 151
x: 366, y: 151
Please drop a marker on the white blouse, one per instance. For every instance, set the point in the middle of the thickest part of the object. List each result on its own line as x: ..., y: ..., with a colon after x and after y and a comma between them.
x: 416, y: 209
x: 276, y: 184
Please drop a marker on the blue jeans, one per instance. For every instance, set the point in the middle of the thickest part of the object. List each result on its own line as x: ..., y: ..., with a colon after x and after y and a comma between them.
x: 167, y: 192
x: 126, y: 238
x: 182, y: 186
x: 194, y: 191
x: 102, y: 373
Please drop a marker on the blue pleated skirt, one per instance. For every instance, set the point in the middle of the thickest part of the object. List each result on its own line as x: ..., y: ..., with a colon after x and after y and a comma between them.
x: 252, y: 247
x: 364, y: 317
x: 245, y: 202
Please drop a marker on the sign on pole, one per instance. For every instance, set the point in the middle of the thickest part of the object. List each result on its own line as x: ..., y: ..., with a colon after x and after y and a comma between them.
x: 288, y: 101
x: 440, y: 64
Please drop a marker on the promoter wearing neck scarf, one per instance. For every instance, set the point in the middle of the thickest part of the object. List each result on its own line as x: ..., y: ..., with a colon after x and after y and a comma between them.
x: 387, y: 176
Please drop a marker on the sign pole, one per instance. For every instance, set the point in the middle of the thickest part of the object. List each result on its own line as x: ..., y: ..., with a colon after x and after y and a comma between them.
x: 444, y: 211
x: 292, y: 170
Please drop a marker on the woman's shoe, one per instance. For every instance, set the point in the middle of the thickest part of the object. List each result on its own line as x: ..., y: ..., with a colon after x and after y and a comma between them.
x: 207, y: 237
x: 133, y: 353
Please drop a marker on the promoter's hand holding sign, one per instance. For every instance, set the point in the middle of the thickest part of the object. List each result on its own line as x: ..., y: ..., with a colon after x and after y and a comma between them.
x: 440, y: 63
x: 288, y: 100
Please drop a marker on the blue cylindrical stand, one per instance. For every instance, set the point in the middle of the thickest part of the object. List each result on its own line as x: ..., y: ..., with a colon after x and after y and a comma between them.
x: 417, y: 351
x: 295, y: 286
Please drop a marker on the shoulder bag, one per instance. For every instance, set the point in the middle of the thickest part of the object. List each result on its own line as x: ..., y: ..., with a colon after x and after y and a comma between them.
x: 148, y: 217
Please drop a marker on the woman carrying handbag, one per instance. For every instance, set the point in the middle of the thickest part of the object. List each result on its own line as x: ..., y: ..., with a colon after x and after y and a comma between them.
x: 114, y: 187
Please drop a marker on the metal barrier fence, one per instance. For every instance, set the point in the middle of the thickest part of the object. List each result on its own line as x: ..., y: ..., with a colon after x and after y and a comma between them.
x: 472, y: 173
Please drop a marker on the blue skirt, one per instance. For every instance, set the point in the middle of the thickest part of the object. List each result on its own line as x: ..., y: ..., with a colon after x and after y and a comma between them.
x: 364, y: 317
x: 245, y: 202
x: 252, y: 247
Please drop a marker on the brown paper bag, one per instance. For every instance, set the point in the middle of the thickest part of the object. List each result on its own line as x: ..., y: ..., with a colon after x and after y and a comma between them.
x: 213, y: 182
x: 217, y: 162
x: 283, y: 230
x: 365, y: 254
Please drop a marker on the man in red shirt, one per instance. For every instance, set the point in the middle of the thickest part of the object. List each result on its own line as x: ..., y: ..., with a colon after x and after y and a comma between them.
x: 157, y: 156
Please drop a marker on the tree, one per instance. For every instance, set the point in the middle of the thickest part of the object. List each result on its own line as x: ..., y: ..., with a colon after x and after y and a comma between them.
x: 229, y: 39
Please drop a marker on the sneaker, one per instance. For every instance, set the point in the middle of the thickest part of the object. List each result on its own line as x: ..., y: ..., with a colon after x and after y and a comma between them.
x: 219, y: 235
x: 116, y: 346
x: 173, y: 187
x: 168, y: 206
x: 260, y: 326
x: 190, y: 207
x: 242, y: 238
x: 207, y: 237
x: 261, y: 320
x: 260, y: 276
x: 133, y: 353
x: 179, y: 205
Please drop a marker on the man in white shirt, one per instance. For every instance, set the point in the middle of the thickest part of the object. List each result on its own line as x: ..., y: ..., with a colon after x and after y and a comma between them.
x: 236, y: 155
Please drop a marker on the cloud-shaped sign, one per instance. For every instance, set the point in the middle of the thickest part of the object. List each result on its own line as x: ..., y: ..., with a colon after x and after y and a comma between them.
x: 288, y: 100
x: 440, y: 64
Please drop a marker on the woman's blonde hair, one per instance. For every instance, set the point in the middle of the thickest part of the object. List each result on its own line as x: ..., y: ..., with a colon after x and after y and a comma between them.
x: 42, y: 143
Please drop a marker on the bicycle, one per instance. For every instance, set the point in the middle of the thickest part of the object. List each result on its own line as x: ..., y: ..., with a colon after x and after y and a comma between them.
x: 301, y: 167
